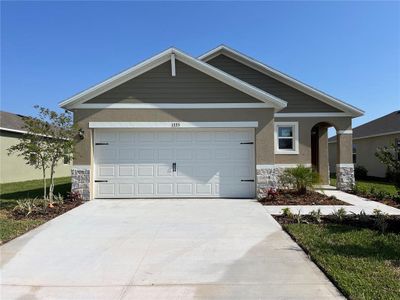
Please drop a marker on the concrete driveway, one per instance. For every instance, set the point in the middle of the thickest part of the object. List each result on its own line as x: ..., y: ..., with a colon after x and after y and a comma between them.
x: 160, y: 249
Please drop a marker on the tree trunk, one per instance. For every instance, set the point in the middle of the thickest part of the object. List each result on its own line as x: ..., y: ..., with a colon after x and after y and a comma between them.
x: 44, y: 182
x: 51, y: 189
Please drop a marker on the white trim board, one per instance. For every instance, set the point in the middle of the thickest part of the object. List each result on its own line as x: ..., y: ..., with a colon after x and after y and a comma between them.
x: 174, y: 125
x: 312, y: 114
x: 170, y: 105
x: 13, y: 130
x: 164, y: 56
x: 261, y: 167
x: 295, y: 137
x: 369, y: 136
x: 258, y: 66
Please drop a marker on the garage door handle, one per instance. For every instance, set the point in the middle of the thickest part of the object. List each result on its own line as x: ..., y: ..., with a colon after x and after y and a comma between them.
x: 247, y: 143
x: 101, y: 144
x: 101, y: 181
x: 173, y: 167
x: 247, y: 180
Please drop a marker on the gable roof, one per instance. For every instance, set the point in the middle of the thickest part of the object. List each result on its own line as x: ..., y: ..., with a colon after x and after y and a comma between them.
x: 11, y: 122
x: 163, y: 57
x: 388, y: 124
x: 256, y: 65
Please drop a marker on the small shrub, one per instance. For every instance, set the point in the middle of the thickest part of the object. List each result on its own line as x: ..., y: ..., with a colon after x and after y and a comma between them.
x: 58, y: 199
x: 316, y: 215
x: 381, y: 220
x: 300, y: 177
x: 298, y: 217
x: 380, y: 195
x: 360, y: 172
x: 26, y: 206
x: 286, y: 212
x: 74, y: 197
x: 272, y: 193
x: 396, y: 198
x: 339, y: 214
x: 363, y: 217
x: 372, y: 190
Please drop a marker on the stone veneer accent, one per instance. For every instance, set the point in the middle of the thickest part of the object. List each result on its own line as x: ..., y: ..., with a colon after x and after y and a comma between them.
x: 81, y: 182
x: 345, y: 176
x: 267, y: 177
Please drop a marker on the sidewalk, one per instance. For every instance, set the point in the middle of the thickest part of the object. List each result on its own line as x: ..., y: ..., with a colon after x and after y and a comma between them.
x: 356, y: 205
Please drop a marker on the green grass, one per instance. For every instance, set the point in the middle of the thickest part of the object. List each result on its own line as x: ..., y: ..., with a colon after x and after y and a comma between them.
x: 366, y: 185
x: 363, y: 263
x: 11, y: 192
x: 11, y: 228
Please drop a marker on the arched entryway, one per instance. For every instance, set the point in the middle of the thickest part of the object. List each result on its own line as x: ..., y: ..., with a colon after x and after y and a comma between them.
x: 319, y: 150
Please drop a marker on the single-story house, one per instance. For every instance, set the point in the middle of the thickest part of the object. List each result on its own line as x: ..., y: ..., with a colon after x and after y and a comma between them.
x: 220, y: 125
x: 367, y: 138
x: 13, y: 167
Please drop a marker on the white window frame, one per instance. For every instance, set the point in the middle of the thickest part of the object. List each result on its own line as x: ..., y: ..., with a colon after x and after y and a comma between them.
x: 295, y: 126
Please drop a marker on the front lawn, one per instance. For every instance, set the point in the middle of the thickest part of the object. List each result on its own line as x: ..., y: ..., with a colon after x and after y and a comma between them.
x: 362, y: 262
x: 383, y: 192
x: 12, y: 227
x: 367, y: 185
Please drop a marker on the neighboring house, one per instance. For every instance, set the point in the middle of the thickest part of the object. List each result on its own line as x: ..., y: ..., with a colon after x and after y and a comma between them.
x: 221, y: 125
x: 366, y: 139
x: 14, y: 168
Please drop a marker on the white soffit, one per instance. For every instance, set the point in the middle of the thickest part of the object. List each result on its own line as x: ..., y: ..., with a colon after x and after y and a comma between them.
x: 165, y: 56
x: 256, y: 65
x: 174, y: 125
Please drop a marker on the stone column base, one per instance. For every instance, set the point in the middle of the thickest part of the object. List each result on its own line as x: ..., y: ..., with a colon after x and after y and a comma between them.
x: 80, y: 178
x: 345, y: 177
x: 267, y: 177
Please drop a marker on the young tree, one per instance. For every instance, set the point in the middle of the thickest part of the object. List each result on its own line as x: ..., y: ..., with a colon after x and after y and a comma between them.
x: 390, y: 157
x: 50, y: 136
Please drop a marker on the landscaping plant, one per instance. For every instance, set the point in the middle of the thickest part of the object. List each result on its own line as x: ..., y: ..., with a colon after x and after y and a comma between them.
x: 381, y: 220
x: 300, y: 177
x: 286, y: 212
x: 316, y: 215
x: 339, y: 214
x: 48, y: 139
x: 390, y: 157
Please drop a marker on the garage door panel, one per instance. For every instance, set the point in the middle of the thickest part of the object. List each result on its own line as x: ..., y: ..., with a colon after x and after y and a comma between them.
x: 106, y: 171
x: 145, y: 189
x: 165, y: 154
x: 164, y: 171
x: 209, y: 163
x: 126, y: 189
x: 165, y: 189
x: 184, y: 189
x: 106, y: 189
x: 127, y: 154
x: 126, y: 170
x: 126, y: 137
x: 145, y: 170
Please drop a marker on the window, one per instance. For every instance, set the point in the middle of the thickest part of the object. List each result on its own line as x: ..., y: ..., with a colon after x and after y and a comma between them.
x: 67, y: 159
x: 286, y: 138
x: 354, y: 154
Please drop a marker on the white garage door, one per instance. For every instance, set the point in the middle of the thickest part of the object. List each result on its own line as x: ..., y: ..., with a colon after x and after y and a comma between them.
x: 154, y: 163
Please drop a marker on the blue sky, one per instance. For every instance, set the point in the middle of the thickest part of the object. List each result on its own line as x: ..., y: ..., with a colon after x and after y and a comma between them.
x: 52, y: 50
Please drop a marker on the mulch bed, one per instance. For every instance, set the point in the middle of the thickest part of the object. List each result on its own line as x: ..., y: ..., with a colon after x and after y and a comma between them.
x: 393, y: 222
x: 50, y: 213
x: 290, y: 197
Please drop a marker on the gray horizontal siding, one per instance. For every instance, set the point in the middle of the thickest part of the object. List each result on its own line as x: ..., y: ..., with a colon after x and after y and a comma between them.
x: 297, y: 100
x: 158, y: 86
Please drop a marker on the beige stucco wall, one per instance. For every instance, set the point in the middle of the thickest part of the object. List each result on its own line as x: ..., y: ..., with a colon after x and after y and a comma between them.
x: 305, y: 126
x: 14, y: 168
x: 366, y: 149
x: 264, y: 132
